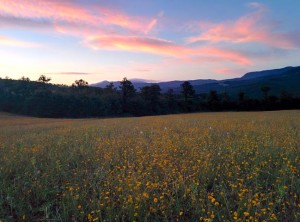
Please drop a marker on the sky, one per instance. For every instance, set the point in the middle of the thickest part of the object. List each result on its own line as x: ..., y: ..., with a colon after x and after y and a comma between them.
x: 157, y: 40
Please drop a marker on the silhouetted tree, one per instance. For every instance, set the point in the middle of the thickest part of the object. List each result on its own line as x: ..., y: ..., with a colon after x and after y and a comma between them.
x: 241, y: 96
x: 151, y: 96
x: 110, y: 88
x: 127, y: 91
x: 267, y: 101
x: 188, y: 93
x: 242, y: 101
x: 44, y: 79
x: 80, y: 83
x: 111, y: 98
x: 265, y: 90
x: 23, y: 78
x: 187, y: 90
x: 213, y: 101
x: 286, y: 99
x: 226, y: 103
x: 171, y: 101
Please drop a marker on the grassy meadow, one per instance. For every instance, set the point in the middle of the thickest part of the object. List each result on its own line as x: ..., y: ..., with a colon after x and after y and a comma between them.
x: 194, y: 167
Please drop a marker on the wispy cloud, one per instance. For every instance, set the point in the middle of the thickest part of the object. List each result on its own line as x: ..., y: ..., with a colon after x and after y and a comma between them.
x: 46, y: 9
x: 69, y: 12
x: 136, y: 44
x: 163, y: 47
x: 252, y: 27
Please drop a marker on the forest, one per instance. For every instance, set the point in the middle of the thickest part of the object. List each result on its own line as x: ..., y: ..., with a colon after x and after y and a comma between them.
x: 42, y: 99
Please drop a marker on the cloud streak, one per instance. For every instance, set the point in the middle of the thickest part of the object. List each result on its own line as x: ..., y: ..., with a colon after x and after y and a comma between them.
x: 251, y: 27
x: 136, y: 44
x: 163, y: 47
x: 68, y: 12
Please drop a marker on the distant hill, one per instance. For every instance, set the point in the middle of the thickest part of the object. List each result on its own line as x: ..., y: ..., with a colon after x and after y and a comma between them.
x: 163, y: 85
x: 272, y: 72
x: 284, y: 79
x: 138, y: 83
x: 49, y: 100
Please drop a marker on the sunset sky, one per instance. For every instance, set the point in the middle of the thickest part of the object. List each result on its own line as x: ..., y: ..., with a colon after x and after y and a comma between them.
x: 150, y: 39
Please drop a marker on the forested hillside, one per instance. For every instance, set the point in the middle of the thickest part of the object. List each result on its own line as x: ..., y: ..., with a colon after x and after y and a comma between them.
x: 42, y: 99
x: 278, y: 80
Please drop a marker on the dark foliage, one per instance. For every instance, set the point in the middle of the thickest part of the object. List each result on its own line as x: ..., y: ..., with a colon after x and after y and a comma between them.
x: 42, y: 99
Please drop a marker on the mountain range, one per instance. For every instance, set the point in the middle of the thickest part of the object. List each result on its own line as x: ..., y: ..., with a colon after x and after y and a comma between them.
x: 278, y: 80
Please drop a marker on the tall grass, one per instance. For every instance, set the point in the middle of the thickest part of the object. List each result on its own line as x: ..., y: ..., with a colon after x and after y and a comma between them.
x: 196, y: 167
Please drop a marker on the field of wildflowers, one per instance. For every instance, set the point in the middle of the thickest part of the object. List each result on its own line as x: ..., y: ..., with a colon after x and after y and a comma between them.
x: 195, y: 167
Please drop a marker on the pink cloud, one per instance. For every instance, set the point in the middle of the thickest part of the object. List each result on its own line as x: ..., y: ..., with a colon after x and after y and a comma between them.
x: 133, y: 23
x: 163, y: 48
x: 252, y: 27
x: 56, y: 10
x: 151, y: 25
x: 101, y: 28
x: 64, y: 12
x: 137, y: 44
x: 225, y: 54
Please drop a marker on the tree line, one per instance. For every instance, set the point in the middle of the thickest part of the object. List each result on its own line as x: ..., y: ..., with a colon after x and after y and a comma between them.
x: 42, y: 99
